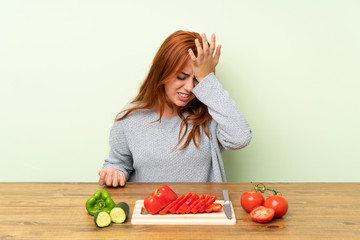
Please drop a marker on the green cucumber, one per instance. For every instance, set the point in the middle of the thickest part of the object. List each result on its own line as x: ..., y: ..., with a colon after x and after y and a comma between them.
x: 102, y: 219
x: 119, y: 212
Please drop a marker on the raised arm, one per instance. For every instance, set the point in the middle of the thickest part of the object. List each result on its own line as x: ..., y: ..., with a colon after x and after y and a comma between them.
x: 233, y: 130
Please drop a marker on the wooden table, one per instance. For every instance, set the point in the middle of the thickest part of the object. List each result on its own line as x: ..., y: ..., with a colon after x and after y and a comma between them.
x: 57, y: 211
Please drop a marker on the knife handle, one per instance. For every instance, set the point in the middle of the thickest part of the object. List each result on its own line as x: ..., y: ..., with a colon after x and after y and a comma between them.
x: 226, y: 195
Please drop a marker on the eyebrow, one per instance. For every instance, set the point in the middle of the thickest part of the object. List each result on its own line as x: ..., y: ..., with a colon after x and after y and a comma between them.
x: 185, y: 74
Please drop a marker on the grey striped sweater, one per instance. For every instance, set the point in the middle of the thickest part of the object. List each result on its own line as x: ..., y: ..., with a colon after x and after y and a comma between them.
x: 142, y: 150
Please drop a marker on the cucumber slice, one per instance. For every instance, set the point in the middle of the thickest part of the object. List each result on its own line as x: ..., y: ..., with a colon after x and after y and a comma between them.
x: 119, y: 212
x: 102, y: 219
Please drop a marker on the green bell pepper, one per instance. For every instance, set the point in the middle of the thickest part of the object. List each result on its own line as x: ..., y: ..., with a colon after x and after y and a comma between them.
x: 101, y: 200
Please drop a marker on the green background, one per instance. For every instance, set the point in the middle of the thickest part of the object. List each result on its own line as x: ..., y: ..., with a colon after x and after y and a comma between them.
x: 68, y: 67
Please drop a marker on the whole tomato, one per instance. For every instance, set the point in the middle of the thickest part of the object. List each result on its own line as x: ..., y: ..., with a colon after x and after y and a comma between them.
x: 278, y: 203
x: 251, y: 200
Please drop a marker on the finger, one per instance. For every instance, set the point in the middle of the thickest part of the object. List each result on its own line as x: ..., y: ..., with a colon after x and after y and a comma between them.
x: 217, y: 55
x: 205, y: 44
x: 102, y: 175
x: 212, y: 44
x: 192, y: 55
x: 115, y: 182
x: 122, y: 179
x: 199, y: 49
x: 109, y: 177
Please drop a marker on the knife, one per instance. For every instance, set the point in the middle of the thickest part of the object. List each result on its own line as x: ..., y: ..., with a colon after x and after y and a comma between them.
x: 226, y: 205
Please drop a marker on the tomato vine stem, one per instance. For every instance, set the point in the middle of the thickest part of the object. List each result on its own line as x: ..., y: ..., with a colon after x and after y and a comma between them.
x: 260, y: 187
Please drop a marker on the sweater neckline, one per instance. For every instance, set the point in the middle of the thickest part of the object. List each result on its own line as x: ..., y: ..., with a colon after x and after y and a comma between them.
x: 164, y: 118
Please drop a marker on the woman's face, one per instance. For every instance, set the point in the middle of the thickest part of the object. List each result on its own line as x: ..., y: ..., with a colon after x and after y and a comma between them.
x: 179, y: 89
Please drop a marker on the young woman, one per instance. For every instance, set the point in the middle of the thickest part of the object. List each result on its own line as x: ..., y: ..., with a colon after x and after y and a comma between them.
x: 176, y: 127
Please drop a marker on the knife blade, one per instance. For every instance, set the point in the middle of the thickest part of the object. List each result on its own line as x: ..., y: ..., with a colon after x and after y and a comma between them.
x: 226, y: 205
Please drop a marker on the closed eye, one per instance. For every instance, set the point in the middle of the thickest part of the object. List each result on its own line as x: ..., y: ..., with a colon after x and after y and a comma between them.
x: 181, y: 78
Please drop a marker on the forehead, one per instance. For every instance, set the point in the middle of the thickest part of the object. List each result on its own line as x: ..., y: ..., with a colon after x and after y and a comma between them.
x: 187, y: 68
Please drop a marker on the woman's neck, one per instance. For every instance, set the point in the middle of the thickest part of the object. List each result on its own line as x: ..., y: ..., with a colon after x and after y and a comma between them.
x: 169, y: 112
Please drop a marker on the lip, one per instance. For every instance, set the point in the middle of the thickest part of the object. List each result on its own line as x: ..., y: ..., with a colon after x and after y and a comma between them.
x: 184, y: 99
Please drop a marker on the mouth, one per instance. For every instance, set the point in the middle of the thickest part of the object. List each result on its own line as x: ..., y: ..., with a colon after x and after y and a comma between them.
x: 183, y: 96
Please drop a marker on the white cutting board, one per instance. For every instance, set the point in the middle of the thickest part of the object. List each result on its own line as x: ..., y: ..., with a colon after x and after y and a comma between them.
x: 141, y: 216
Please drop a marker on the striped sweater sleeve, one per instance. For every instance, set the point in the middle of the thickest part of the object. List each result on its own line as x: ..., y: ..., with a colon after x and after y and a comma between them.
x: 233, y: 131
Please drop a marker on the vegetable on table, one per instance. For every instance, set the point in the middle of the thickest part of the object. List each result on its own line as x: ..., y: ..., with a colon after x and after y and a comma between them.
x: 251, y: 200
x: 186, y: 204
x: 278, y: 203
x: 120, y: 212
x: 99, y: 201
x: 195, y: 203
x: 164, y: 200
x: 211, y: 200
x: 198, y: 207
x: 213, y: 208
x: 179, y: 203
x: 102, y: 219
x: 159, y: 199
x: 203, y: 203
x: 168, y: 207
x: 105, y: 210
x: 262, y: 214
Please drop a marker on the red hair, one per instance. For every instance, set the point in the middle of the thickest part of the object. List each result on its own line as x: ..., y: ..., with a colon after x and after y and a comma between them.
x: 170, y: 59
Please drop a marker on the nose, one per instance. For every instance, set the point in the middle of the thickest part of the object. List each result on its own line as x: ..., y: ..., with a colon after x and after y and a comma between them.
x: 189, y: 84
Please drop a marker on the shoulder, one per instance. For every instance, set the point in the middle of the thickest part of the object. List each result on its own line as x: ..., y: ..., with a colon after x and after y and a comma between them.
x: 124, y: 110
x: 137, y: 115
x: 133, y: 113
x: 120, y: 126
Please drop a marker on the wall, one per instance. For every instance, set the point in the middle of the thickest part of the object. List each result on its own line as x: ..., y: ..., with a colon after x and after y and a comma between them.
x: 68, y: 67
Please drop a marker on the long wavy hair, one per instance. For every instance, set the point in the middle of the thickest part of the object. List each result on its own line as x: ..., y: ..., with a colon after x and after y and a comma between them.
x: 170, y: 59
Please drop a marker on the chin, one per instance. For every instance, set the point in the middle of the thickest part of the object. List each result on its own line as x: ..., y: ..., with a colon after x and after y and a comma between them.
x: 181, y: 104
